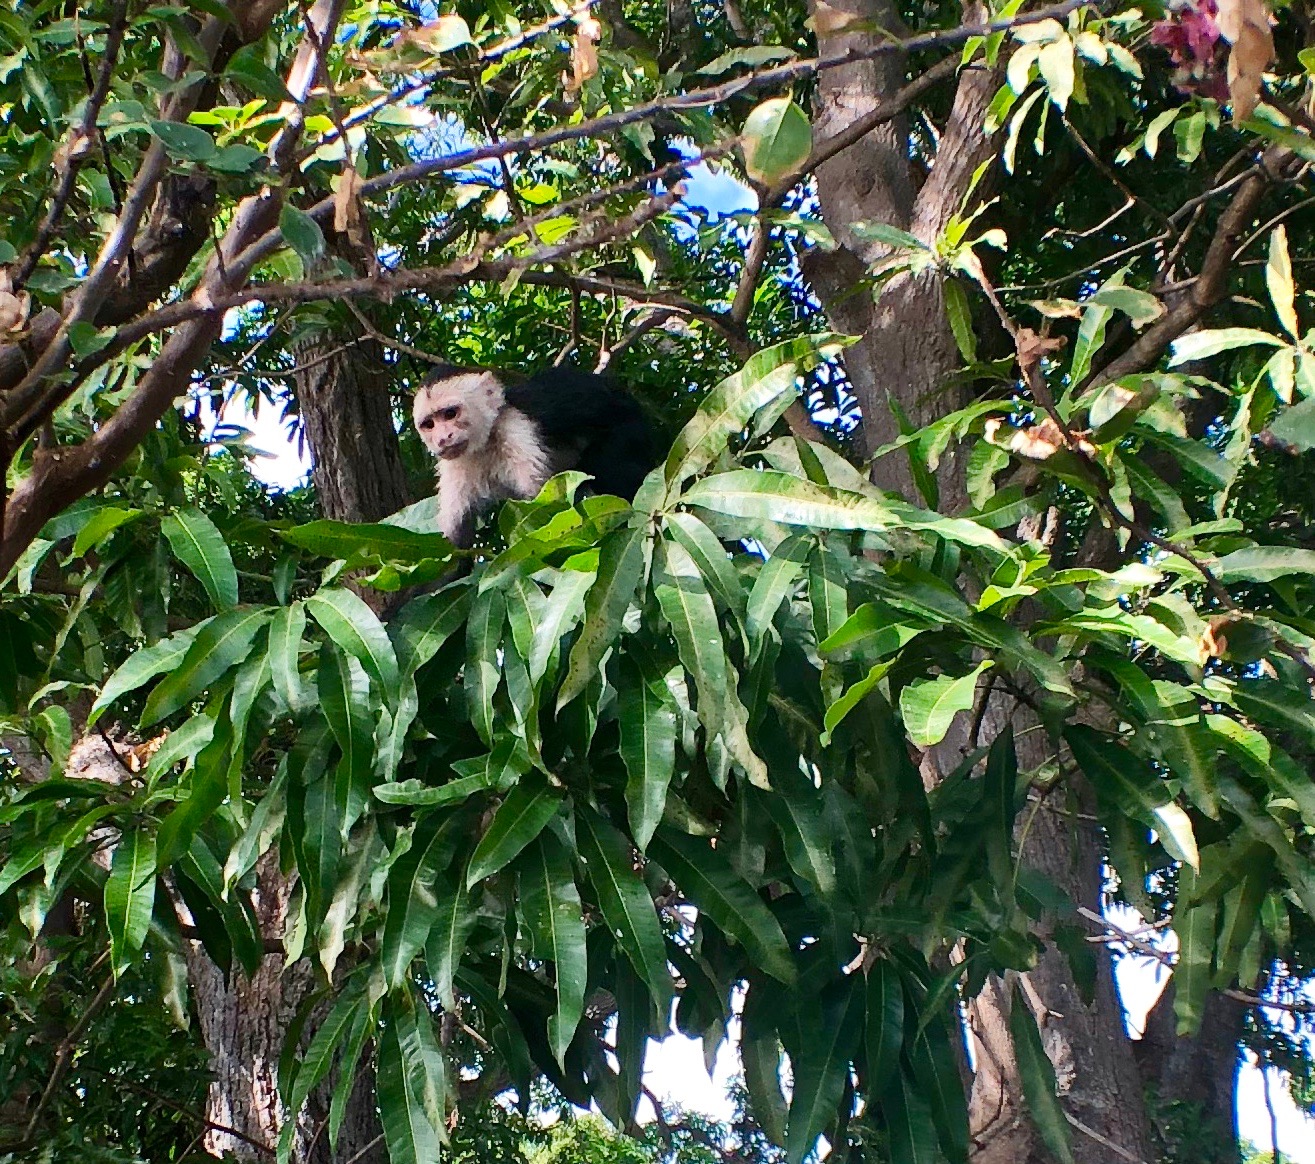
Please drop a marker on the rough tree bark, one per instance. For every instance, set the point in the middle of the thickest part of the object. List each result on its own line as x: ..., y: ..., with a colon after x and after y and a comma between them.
x: 357, y: 469
x: 906, y: 356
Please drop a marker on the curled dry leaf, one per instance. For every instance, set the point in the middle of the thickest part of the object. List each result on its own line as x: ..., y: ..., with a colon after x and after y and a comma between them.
x: 1032, y: 348
x: 73, y: 150
x: 1214, y: 641
x: 14, y: 309
x: 828, y: 20
x: 1245, y: 24
x: 1036, y: 442
x: 584, y: 53
x: 347, y: 203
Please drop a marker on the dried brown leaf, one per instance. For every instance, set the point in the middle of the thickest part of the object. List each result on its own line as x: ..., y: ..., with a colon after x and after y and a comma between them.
x: 1245, y: 24
x: 584, y: 53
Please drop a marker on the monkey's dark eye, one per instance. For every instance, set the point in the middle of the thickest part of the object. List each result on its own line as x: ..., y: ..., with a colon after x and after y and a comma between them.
x: 450, y: 413
x: 427, y: 423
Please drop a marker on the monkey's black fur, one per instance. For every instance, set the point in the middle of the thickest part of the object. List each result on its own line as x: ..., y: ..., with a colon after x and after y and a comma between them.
x: 591, y: 425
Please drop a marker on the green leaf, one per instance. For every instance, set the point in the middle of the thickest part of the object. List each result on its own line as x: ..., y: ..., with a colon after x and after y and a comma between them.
x: 1200, y: 345
x: 1139, y: 306
x: 928, y: 706
x: 443, y: 34
x: 1121, y: 778
x: 1296, y: 426
x: 1038, y: 1078
x: 484, y: 669
x: 780, y: 497
x: 761, y: 1056
x: 406, y: 1083
x: 130, y: 897
x: 798, y: 811
x: 625, y: 903
x: 885, y: 1024
x: 347, y: 1015
x: 413, y: 902
x: 248, y: 69
x: 1264, y: 564
x: 714, y: 563
x: 707, y: 879
x: 621, y: 562
x: 1194, y: 925
x: 426, y: 623
x: 198, y: 544
x: 286, y: 629
x: 188, y: 143
x: 751, y: 57
x: 357, y: 630
x: 344, y: 700
x: 238, y: 158
x: 1277, y: 704
x: 447, y: 938
x: 777, y: 140
x: 221, y: 644
x: 360, y: 542
x: 415, y: 793
x: 908, y: 1120
x: 103, y: 522
x: 891, y: 236
x: 777, y: 576
x: 961, y: 320
x: 550, y: 904
x: 142, y: 665
x: 690, y: 613
x: 302, y: 233
x: 936, y: 1068
x: 822, y: 1069
x: 766, y: 378
x: 519, y: 819
x: 646, y: 717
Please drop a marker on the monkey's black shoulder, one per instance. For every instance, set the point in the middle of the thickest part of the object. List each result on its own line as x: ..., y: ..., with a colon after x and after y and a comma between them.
x: 596, y: 419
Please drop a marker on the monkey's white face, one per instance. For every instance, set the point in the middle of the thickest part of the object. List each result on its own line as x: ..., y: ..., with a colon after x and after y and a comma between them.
x: 457, y: 415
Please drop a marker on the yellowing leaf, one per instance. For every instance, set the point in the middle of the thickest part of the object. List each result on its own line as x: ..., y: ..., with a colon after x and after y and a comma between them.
x: 1278, y: 278
x: 777, y: 140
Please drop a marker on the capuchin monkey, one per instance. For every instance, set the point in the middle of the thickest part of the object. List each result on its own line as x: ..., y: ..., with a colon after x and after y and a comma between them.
x: 497, y: 438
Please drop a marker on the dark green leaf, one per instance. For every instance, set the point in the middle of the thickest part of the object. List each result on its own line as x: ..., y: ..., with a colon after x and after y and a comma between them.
x: 1038, y: 1077
x: 221, y: 645
x: 188, y: 143
x: 822, y: 1070
x: 302, y: 233
x: 130, y: 897
x: 198, y: 544
x: 413, y: 900
x: 722, y: 895
x: 519, y: 819
x: 646, y: 716
x: 550, y: 904
x: 627, y: 908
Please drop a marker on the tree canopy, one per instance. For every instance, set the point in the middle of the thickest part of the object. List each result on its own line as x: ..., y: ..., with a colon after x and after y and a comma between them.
x: 972, y: 595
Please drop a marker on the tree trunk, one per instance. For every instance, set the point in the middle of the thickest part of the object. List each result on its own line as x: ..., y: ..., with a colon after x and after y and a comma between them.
x: 1194, y: 1078
x: 356, y: 462
x: 903, y: 362
x: 357, y: 470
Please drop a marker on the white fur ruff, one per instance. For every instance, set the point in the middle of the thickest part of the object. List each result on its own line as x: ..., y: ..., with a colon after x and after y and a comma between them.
x: 512, y: 463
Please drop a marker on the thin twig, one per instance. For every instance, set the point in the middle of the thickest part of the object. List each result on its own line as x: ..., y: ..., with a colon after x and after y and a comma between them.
x: 64, y: 1055
x: 1092, y: 1134
x: 356, y: 1157
x: 84, y: 134
x: 781, y: 75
